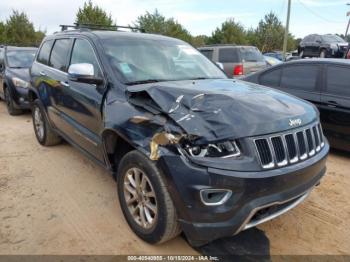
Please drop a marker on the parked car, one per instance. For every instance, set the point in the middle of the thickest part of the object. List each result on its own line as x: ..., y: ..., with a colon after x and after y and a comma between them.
x: 271, y: 61
x: 191, y: 150
x: 325, y: 83
x: 322, y: 46
x: 14, y: 77
x: 277, y: 54
x: 237, y: 60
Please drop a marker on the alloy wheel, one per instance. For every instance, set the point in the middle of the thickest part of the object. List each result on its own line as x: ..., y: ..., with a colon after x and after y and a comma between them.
x: 140, y: 198
x: 38, y: 123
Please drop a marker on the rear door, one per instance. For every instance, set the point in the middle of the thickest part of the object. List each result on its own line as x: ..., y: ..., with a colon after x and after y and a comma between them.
x: 302, y: 80
x: 335, y: 110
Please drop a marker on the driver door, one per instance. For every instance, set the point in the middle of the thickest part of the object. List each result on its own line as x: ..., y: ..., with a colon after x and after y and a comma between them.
x: 82, y: 102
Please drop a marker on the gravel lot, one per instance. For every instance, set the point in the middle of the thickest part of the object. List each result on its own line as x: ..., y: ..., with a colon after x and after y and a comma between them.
x: 56, y: 201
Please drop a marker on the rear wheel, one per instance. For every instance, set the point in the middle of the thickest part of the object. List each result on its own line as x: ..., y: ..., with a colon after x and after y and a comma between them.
x: 43, y: 132
x: 10, y: 104
x: 145, y: 200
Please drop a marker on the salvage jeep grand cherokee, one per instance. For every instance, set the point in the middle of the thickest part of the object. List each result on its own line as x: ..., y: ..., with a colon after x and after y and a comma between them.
x: 191, y: 150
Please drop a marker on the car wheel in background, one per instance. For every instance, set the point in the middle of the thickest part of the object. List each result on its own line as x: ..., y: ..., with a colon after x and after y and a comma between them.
x: 10, y: 104
x: 145, y: 200
x: 323, y: 53
x: 43, y: 132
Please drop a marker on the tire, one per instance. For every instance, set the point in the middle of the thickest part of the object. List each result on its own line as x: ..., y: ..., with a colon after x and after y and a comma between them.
x: 43, y: 132
x: 164, y: 225
x: 10, y: 104
x: 323, y: 53
x: 301, y: 54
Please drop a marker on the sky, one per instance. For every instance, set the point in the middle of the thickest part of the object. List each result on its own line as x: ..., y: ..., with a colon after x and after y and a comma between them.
x: 198, y: 17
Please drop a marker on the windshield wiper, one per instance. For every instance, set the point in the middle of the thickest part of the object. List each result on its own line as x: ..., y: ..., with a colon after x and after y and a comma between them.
x: 146, y: 81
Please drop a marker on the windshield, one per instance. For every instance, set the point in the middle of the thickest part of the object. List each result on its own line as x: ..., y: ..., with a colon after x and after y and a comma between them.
x: 20, y: 58
x: 141, y: 60
x: 332, y: 39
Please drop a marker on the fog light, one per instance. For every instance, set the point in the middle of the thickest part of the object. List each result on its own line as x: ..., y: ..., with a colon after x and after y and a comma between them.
x: 215, y: 197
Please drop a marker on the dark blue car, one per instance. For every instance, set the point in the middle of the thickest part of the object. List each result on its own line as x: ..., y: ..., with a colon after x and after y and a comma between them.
x: 191, y: 150
x: 14, y: 77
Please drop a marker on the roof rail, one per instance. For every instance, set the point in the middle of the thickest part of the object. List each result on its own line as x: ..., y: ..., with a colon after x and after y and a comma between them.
x: 99, y: 27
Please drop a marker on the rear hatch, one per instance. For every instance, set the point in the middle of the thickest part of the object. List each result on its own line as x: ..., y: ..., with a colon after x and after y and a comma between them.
x: 241, y: 60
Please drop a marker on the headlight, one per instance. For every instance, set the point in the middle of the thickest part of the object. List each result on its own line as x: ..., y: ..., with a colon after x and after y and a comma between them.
x: 224, y: 150
x: 19, y: 82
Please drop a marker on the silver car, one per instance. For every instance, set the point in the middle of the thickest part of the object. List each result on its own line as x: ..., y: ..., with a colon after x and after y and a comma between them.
x: 237, y: 61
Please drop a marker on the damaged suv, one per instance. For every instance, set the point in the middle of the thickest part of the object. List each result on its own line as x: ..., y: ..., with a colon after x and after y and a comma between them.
x: 191, y: 150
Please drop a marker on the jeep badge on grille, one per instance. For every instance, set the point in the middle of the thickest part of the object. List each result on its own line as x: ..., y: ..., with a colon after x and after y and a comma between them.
x: 294, y: 122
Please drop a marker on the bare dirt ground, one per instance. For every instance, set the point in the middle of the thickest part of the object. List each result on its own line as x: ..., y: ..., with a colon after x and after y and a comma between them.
x: 56, y: 201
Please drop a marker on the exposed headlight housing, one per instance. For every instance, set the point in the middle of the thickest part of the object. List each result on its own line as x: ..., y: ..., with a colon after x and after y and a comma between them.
x: 20, y: 83
x: 223, y: 149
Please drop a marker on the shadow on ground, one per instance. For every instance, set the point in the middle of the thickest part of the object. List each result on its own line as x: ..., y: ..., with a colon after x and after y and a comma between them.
x: 249, y: 245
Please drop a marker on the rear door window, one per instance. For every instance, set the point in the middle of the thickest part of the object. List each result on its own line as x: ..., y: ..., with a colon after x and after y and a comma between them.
x: 338, y: 81
x: 44, y: 53
x: 59, y: 54
x: 271, y: 78
x: 229, y: 55
x: 300, y: 77
x: 207, y: 53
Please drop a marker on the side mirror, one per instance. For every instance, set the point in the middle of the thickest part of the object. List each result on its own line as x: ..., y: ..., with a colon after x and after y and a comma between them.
x: 83, y: 73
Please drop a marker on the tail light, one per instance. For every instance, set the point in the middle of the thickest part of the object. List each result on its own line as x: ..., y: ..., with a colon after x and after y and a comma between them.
x: 238, y: 70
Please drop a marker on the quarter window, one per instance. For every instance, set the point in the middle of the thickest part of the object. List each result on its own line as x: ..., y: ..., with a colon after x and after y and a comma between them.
x: 44, y: 53
x: 59, y: 54
x: 300, y: 77
x: 207, y: 53
x: 84, y: 53
x: 338, y: 79
x: 229, y: 55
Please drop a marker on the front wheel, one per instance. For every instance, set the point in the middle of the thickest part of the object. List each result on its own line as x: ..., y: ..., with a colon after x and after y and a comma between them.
x: 10, y: 104
x: 43, y: 132
x: 145, y: 200
x: 323, y: 54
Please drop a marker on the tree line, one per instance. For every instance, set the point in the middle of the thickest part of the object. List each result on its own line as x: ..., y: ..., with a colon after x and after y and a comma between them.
x: 267, y: 36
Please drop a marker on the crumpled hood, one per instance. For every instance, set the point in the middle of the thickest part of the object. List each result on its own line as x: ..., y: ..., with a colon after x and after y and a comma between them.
x: 223, y: 109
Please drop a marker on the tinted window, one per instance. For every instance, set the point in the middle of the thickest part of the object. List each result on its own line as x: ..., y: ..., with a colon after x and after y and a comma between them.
x: 59, y: 54
x: 271, y: 78
x: 207, y: 53
x: 302, y: 77
x: 84, y: 53
x: 20, y: 58
x: 44, y: 52
x: 338, y: 79
x: 228, y: 55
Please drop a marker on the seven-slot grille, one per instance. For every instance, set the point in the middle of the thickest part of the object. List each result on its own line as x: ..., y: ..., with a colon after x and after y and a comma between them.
x: 289, y: 148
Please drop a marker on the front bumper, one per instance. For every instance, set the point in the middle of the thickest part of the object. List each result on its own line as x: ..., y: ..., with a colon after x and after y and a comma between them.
x: 256, y: 196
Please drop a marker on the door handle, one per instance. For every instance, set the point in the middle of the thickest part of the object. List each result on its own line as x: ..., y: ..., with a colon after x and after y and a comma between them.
x: 42, y: 73
x: 64, y: 84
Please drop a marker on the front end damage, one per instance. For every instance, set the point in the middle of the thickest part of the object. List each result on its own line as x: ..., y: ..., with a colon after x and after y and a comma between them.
x: 202, y: 141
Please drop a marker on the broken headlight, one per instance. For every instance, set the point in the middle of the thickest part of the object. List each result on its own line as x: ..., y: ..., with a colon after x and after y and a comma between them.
x: 224, y: 150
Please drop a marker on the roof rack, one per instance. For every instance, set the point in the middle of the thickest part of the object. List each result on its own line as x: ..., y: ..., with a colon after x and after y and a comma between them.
x: 99, y: 27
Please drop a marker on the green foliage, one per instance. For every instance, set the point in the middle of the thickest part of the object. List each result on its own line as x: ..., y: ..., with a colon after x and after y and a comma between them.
x: 156, y: 23
x: 230, y: 32
x: 269, y: 34
x: 199, y: 40
x: 93, y: 14
x: 18, y: 30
